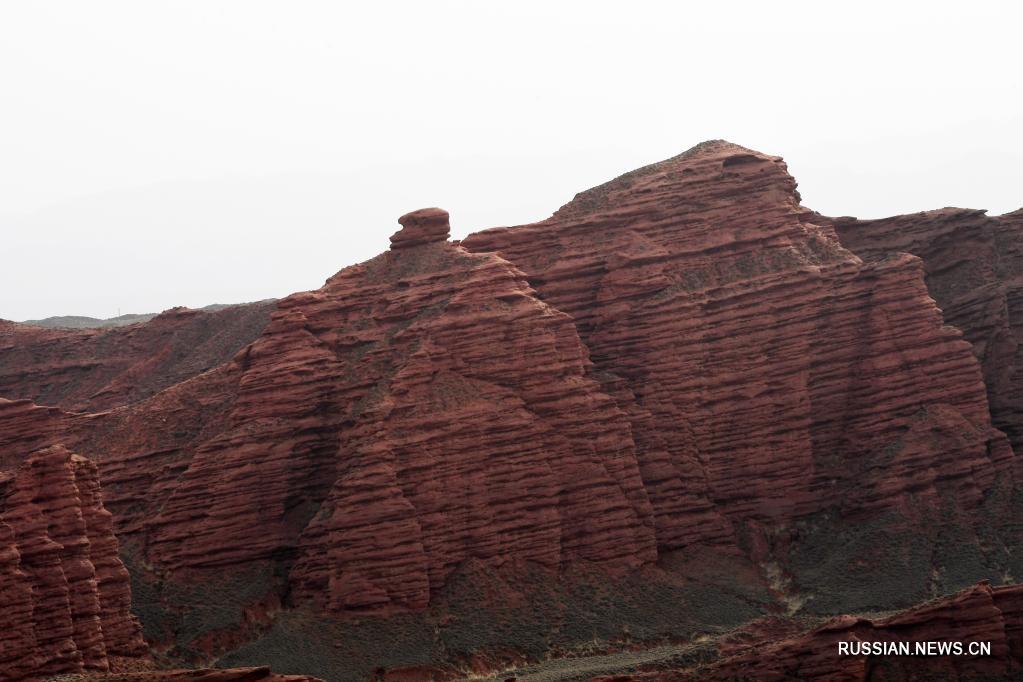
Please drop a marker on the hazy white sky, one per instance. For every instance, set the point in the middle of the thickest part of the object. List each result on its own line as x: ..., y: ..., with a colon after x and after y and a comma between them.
x: 183, y: 153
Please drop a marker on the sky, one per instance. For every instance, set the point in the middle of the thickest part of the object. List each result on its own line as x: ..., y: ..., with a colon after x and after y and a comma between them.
x: 155, y: 154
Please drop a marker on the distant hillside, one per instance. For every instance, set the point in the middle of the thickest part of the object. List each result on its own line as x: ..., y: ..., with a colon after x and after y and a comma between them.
x: 82, y: 322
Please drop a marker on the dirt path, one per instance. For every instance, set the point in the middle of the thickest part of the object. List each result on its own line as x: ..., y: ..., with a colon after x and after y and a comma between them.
x: 585, y: 667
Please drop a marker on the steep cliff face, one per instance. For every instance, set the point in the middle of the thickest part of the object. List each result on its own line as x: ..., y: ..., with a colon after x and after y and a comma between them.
x: 683, y: 366
x: 768, y: 372
x: 67, y: 595
x: 96, y: 369
x: 420, y: 409
x: 974, y: 270
x: 18, y: 654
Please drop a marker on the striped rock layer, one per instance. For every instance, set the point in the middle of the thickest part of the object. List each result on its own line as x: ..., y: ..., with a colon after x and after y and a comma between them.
x: 66, y: 595
x: 681, y: 358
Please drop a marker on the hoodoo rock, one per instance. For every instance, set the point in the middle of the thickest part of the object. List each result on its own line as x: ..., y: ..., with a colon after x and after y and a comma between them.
x: 421, y: 227
x: 67, y: 595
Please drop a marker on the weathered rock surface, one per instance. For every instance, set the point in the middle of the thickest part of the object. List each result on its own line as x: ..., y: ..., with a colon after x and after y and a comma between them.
x: 973, y: 265
x: 27, y: 427
x: 684, y: 361
x: 67, y: 596
x: 424, y: 226
x: 704, y: 374
x: 18, y: 653
x: 421, y: 409
x: 767, y: 371
x: 96, y: 369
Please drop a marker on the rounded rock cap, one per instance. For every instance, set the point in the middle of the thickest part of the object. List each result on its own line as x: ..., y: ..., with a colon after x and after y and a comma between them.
x: 421, y: 227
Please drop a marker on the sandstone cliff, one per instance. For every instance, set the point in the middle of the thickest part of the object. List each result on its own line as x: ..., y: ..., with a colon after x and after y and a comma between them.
x: 66, y: 592
x: 681, y: 375
x: 768, y: 372
x: 421, y: 409
x: 682, y: 357
x: 973, y: 265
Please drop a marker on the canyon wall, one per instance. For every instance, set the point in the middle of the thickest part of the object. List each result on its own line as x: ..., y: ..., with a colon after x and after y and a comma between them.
x: 768, y: 372
x: 973, y: 264
x: 66, y: 593
x: 681, y: 364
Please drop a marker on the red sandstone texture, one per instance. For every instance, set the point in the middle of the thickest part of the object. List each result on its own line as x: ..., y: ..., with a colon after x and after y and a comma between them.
x: 26, y: 428
x: 973, y: 264
x: 763, y: 366
x: 657, y: 369
x: 421, y: 409
x: 66, y: 593
x: 680, y: 359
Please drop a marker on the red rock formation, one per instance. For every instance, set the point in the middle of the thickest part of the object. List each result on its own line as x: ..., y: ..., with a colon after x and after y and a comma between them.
x: 421, y: 409
x: 764, y: 367
x: 18, y: 653
x: 421, y: 227
x: 682, y: 357
x: 69, y: 591
x: 95, y: 369
x: 26, y: 427
x: 120, y: 629
x: 974, y: 270
x: 746, y: 368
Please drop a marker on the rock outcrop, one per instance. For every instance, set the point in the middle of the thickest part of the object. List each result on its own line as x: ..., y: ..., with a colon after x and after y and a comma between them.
x: 768, y: 372
x: 424, y: 226
x: 420, y: 409
x: 973, y: 265
x: 682, y: 362
x: 67, y: 595
x: 26, y: 427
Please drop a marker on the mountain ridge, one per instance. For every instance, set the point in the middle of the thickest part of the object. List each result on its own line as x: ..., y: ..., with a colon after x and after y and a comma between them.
x: 681, y: 402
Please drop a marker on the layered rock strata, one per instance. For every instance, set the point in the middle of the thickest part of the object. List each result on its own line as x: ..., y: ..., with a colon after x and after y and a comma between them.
x: 420, y: 409
x: 973, y: 264
x: 67, y: 594
x: 767, y: 371
x: 684, y: 357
